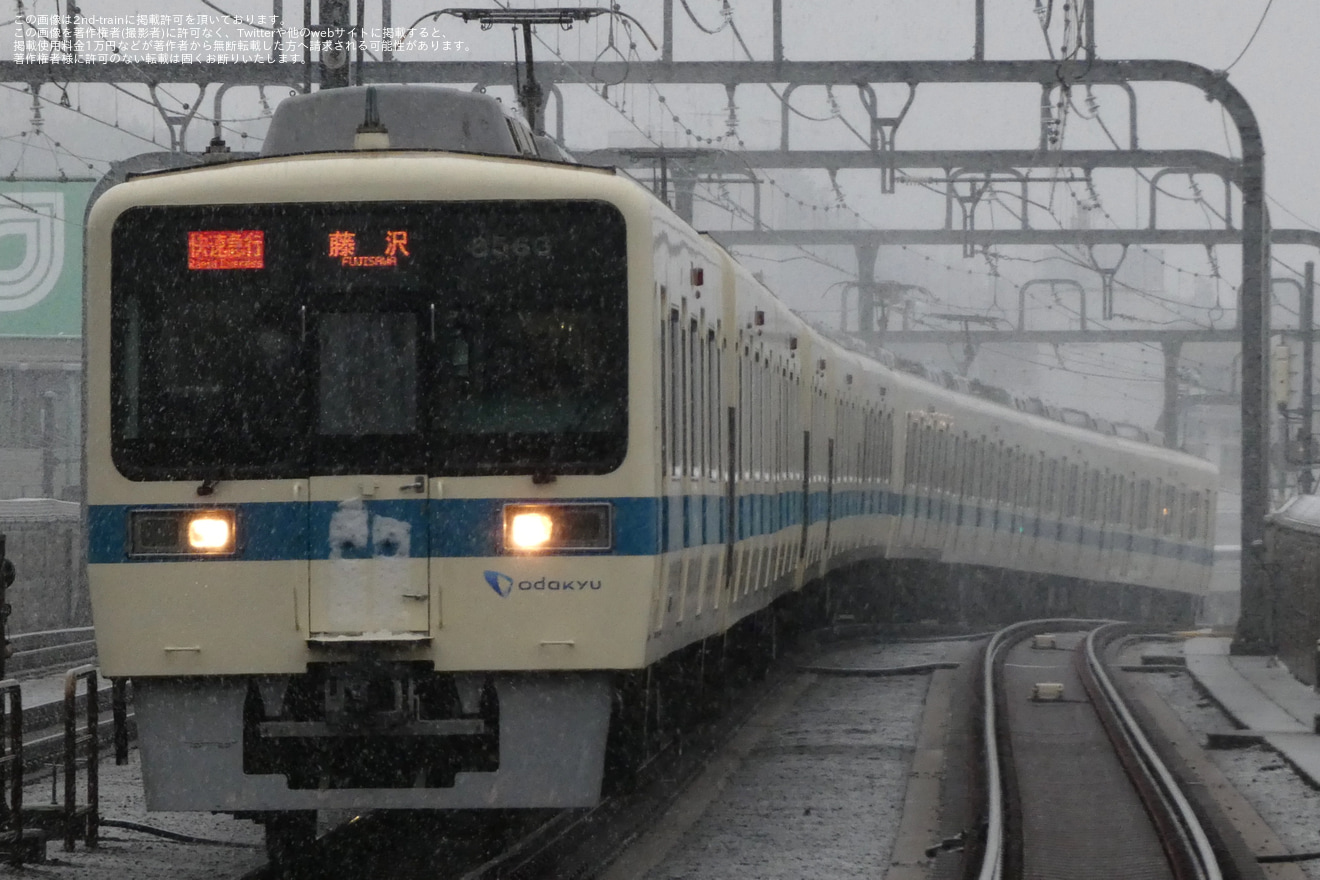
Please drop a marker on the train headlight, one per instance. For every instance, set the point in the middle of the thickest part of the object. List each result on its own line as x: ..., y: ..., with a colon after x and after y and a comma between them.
x: 182, y: 533
x: 531, y: 528
x: 211, y: 533
x: 530, y: 531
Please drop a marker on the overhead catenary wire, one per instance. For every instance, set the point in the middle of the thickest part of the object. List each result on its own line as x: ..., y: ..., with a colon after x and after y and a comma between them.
x: 1265, y: 13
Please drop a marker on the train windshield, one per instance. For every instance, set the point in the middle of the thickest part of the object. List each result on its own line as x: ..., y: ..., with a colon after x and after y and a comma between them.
x: 450, y: 338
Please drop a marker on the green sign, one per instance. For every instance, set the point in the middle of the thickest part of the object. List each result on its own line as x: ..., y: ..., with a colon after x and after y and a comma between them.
x: 41, y: 246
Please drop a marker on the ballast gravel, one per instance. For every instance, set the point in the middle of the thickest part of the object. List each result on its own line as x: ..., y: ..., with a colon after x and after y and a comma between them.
x: 822, y: 794
x: 131, y: 854
x: 1283, y: 799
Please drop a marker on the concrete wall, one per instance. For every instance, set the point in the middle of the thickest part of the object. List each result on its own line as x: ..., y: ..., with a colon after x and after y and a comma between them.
x: 1293, y: 560
x: 44, y: 539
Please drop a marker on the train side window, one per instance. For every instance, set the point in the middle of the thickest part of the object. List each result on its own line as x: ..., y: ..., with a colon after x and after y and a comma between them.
x: 675, y: 394
x: 666, y: 419
x: 1155, y: 501
x: 744, y: 418
x: 951, y: 451
x: 1143, y: 505
x: 972, y: 474
x: 910, y: 453
x: 887, y: 449
x: 760, y: 440
x: 865, y: 455
x: 935, y: 449
x: 947, y: 457
x: 1169, y: 510
x: 768, y: 423
x: 1052, y: 488
x: 927, y: 464
x: 712, y: 408
x: 685, y: 401
x: 953, y: 459
x: 1192, y: 526
x: 698, y: 399
x: 1026, y: 480
x: 971, y: 451
x: 934, y: 438
x: 1071, y: 502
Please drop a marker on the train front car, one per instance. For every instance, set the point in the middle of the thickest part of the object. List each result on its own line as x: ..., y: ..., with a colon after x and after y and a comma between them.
x: 367, y: 477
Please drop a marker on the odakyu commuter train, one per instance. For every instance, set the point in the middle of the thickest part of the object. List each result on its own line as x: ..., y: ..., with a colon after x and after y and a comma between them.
x: 416, y: 459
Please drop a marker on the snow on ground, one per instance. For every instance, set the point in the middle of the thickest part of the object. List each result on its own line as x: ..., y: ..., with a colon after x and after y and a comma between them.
x: 131, y: 854
x: 1286, y: 802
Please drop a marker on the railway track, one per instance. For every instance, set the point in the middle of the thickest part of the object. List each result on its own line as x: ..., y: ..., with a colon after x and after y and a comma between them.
x: 1066, y: 777
x: 1074, y: 786
x: 517, y: 844
x: 511, y: 845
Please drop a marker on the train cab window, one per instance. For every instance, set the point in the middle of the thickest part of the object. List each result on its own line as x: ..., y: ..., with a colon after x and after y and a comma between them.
x: 489, y: 332
x: 367, y: 374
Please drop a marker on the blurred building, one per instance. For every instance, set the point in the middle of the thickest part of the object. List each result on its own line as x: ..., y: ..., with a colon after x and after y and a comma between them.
x: 41, y: 284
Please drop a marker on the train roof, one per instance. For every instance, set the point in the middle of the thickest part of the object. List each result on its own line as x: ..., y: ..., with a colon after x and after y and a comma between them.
x: 1301, y: 513
x: 417, y: 117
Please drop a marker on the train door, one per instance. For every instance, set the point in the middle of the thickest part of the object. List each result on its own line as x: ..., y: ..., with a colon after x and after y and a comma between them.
x: 369, y: 489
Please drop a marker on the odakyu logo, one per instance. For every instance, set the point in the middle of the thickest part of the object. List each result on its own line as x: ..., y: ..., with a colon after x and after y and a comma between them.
x: 504, y: 586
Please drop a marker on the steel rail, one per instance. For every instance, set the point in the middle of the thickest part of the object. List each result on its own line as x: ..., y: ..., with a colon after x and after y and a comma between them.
x: 992, y: 856
x: 1196, y: 842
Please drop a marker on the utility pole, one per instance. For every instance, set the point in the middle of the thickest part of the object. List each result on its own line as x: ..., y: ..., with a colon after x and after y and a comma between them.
x: 1306, y: 479
x: 866, y: 289
x: 334, y: 32
x: 1172, y: 349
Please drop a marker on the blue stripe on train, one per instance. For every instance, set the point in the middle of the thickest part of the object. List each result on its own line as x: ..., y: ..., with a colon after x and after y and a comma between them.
x: 272, y: 531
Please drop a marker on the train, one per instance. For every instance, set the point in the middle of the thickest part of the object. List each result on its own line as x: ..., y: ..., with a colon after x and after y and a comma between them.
x: 427, y: 469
